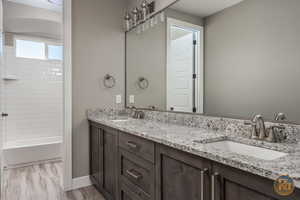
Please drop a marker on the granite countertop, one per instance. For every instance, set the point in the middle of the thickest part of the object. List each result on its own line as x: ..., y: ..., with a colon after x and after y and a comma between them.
x: 194, y: 140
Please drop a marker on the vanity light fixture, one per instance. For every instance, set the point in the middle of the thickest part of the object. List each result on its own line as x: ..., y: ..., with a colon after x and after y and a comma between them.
x: 144, y: 10
x: 127, y: 21
x: 140, y: 16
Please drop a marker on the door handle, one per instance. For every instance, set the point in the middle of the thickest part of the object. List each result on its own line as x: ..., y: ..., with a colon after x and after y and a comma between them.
x: 213, y: 183
x: 202, y: 182
x: 4, y: 114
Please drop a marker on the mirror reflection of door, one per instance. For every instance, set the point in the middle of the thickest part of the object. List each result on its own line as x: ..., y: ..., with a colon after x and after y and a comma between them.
x: 184, y: 67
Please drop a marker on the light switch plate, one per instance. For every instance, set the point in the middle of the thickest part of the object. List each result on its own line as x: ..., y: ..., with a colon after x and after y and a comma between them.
x: 131, y: 98
x: 118, y: 99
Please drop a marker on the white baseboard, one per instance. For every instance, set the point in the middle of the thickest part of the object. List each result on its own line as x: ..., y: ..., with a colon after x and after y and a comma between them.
x: 80, y: 182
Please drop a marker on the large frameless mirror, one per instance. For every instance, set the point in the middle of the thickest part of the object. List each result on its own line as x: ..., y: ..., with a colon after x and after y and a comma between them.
x: 232, y: 58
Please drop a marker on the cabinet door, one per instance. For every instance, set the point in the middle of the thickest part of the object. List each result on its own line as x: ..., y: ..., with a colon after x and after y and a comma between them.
x: 232, y: 184
x: 181, y: 175
x: 127, y: 194
x: 110, y: 157
x: 94, y: 155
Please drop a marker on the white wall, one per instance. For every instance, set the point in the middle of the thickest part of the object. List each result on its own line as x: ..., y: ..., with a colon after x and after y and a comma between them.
x: 34, y: 101
x: 252, y: 60
x: 98, y: 49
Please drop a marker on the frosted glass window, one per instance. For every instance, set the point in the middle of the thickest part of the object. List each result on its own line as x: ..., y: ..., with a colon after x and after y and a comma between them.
x: 30, y: 49
x: 55, y: 52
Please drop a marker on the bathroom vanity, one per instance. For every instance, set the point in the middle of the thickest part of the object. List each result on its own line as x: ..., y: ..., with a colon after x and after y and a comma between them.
x: 134, y: 159
x: 194, y: 143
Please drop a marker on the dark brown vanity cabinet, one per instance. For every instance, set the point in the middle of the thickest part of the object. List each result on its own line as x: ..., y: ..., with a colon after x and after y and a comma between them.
x: 103, y: 160
x: 95, y: 133
x: 136, y: 168
x: 127, y: 167
x: 228, y: 183
x: 181, y: 176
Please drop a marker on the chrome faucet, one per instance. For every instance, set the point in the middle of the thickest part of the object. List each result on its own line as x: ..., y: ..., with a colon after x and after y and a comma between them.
x: 258, y: 127
x: 136, y: 114
x: 280, y: 117
x: 270, y: 134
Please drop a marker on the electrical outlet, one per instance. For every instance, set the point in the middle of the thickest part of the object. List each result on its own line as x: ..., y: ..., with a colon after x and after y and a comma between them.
x: 131, y: 98
x: 118, y: 99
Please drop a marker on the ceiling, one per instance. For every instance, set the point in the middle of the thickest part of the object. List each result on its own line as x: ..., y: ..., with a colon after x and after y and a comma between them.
x: 203, y: 8
x: 40, y: 4
x: 28, y: 20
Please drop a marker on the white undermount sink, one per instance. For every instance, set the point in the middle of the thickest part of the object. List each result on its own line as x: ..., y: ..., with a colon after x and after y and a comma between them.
x: 120, y: 120
x: 247, y: 150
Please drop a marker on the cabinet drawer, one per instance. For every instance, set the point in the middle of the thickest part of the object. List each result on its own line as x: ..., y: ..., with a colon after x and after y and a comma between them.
x: 137, y: 172
x: 138, y: 146
x: 128, y: 193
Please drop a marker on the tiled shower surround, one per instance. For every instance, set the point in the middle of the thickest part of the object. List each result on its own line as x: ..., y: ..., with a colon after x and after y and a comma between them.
x: 34, y: 101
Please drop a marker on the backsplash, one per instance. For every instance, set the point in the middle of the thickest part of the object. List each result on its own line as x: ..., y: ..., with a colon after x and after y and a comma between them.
x: 232, y: 126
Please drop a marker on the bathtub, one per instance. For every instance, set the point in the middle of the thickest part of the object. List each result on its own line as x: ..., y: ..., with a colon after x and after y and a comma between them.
x: 24, y: 152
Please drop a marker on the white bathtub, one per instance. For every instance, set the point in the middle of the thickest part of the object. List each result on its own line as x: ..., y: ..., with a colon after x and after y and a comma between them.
x: 23, y: 152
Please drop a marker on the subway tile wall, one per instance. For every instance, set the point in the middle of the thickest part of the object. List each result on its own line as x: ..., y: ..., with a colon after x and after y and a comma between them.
x: 34, y: 101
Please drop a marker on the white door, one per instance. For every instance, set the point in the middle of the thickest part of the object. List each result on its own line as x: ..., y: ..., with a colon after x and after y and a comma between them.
x: 180, y: 70
x: 183, y: 67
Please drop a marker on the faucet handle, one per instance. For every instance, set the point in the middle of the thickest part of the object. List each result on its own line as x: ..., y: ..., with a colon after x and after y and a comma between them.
x: 253, y: 131
x: 274, y: 133
x: 280, y: 127
x: 280, y: 117
x: 250, y: 123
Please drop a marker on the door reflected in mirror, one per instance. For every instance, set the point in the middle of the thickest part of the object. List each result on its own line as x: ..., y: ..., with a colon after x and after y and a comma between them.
x: 184, y: 66
x: 233, y: 58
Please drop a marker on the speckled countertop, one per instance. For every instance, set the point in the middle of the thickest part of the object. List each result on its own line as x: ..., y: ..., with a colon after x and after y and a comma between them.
x: 194, y: 140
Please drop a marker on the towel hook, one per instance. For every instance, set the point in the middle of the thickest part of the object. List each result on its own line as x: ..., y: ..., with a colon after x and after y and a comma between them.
x: 143, y: 83
x: 109, y: 81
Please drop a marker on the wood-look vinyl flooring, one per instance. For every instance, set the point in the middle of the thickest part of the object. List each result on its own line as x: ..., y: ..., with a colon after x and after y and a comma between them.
x: 42, y: 182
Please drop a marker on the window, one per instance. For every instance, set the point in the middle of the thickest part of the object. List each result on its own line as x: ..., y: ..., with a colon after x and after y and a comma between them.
x: 55, y: 52
x: 39, y: 50
x: 30, y: 49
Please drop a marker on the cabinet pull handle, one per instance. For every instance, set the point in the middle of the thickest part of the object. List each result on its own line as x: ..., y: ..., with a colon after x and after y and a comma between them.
x: 131, y: 145
x: 134, y: 174
x: 213, y: 183
x: 202, y: 182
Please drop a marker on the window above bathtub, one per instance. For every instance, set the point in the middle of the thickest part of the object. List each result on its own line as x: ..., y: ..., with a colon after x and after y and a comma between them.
x: 42, y: 49
x: 30, y: 49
